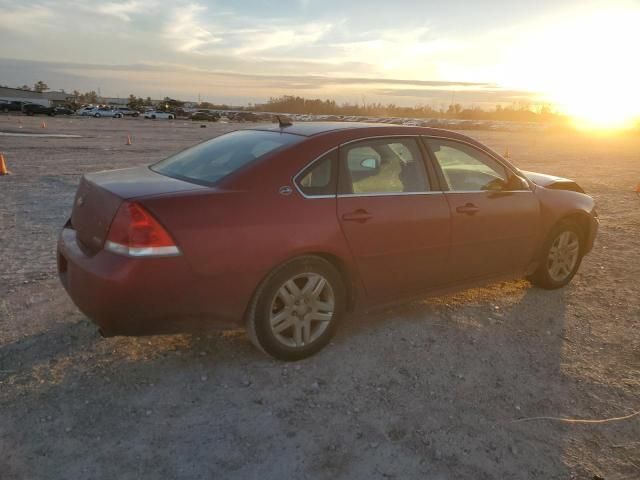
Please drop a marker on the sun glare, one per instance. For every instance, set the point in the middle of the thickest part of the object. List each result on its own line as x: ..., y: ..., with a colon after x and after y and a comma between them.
x: 586, y: 66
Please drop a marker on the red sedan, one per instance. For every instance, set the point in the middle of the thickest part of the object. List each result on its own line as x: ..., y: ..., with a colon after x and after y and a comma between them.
x: 286, y: 229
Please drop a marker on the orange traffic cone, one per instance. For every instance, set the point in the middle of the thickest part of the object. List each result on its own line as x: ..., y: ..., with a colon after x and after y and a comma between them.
x: 637, y: 190
x: 3, y: 166
x: 129, y: 142
x: 44, y: 124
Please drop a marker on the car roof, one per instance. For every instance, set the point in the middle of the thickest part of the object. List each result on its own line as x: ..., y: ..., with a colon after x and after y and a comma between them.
x: 309, y: 129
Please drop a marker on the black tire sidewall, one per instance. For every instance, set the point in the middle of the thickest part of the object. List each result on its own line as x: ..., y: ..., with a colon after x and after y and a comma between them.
x: 261, y: 312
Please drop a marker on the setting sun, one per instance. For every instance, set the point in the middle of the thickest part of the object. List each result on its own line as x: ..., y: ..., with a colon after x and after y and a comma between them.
x: 585, y: 66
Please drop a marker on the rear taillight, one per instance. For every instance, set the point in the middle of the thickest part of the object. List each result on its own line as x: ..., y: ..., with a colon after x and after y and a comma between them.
x: 134, y: 232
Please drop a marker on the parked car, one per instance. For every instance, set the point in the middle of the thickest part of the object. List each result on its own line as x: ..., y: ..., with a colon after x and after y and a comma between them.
x: 107, y: 112
x: 87, y: 111
x: 155, y: 114
x: 63, y: 110
x: 287, y: 228
x: 128, y: 112
x: 11, y: 106
x: 37, y: 109
x: 204, y: 116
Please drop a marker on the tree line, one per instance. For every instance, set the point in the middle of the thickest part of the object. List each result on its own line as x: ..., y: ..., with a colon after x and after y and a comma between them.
x: 516, y: 112
x: 523, y: 112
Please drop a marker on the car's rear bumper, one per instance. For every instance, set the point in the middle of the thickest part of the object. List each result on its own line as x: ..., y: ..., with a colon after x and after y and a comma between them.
x: 142, y: 296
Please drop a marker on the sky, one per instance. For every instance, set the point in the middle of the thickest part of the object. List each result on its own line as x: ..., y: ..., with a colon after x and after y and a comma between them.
x: 574, y: 54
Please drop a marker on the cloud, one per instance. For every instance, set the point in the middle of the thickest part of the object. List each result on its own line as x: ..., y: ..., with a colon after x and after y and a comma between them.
x: 185, y: 30
x: 24, y: 19
x: 123, y: 10
x: 185, y: 82
x: 256, y: 41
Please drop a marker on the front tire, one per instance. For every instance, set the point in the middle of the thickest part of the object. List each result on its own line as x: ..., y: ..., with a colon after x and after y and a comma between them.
x: 296, y: 310
x: 560, y: 257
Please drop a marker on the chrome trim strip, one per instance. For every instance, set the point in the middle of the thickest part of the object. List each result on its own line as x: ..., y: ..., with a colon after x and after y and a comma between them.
x: 487, y: 191
x: 382, y: 137
x: 407, y: 135
x: 295, y: 177
x: 168, y: 251
x: 388, y: 194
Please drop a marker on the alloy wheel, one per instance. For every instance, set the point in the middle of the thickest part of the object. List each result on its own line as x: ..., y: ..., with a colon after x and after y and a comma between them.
x: 302, y: 310
x: 563, y: 255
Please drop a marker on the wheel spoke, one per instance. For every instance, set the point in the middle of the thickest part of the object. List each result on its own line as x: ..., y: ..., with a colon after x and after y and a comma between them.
x: 323, y: 306
x: 318, y: 288
x: 573, y: 247
x: 279, y: 317
x: 321, y: 317
x: 284, y: 324
x: 297, y: 334
x: 286, y: 297
x: 312, y: 280
x: 293, y: 288
x: 306, y: 331
x: 555, y: 269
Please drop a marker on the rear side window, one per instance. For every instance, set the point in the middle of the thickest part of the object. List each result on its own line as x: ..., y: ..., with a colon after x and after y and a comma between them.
x: 208, y: 162
x: 320, y: 177
x: 383, y: 166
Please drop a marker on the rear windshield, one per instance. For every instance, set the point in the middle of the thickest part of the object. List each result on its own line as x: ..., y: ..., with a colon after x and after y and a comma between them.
x: 208, y: 162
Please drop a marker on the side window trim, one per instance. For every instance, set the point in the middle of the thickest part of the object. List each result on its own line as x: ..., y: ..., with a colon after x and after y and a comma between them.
x: 334, y: 173
x: 442, y: 180
x: 343, y: 174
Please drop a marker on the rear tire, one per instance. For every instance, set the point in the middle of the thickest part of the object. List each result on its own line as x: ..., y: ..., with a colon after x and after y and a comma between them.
x: 560, y: 258
x: 297, y: 308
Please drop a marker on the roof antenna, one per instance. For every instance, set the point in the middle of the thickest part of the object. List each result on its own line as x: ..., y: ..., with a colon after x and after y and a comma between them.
x: 283, y: 121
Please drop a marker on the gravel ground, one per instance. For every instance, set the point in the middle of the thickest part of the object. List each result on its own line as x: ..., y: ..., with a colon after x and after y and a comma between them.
x: 431, y: 389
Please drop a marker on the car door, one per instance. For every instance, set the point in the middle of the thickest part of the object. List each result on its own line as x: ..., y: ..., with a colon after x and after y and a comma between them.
x: 396, y: 225
x: 494, y: 214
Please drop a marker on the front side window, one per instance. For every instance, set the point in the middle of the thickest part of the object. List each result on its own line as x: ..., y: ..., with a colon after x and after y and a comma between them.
x: 212, y: 160
x: 383, y: 166
x: 320, y: 177
x: 466, y: 168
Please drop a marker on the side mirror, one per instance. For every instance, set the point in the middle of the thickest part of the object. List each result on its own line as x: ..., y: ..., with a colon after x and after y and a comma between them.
x: 370, y: 163
x: 517, y: 183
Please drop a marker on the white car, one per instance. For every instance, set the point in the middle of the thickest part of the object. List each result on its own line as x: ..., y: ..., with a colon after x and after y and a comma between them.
x: 159, y: 115
x: 86, y: 111
x: 107, y: 112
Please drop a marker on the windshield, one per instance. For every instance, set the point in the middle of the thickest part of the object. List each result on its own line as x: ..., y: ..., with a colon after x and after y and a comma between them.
x: 208, y: 162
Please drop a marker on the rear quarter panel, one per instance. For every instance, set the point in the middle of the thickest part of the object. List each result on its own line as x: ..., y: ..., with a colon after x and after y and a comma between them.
x: 233, y: 237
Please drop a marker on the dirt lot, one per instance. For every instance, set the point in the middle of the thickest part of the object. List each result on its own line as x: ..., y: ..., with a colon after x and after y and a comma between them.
x: 433, y: 389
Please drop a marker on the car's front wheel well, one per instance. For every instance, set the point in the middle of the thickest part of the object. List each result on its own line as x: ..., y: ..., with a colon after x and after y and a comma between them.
x: 581, y: 221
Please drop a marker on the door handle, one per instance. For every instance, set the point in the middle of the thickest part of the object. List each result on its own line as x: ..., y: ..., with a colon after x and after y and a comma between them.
x: 469, y: 209
x: 359, y: 216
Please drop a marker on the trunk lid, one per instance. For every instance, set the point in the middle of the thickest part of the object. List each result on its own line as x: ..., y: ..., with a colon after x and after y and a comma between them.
x: 100, y: 194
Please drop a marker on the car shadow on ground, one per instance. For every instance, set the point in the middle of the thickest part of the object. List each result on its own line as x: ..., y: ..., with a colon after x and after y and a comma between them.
x: 429, y: 388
